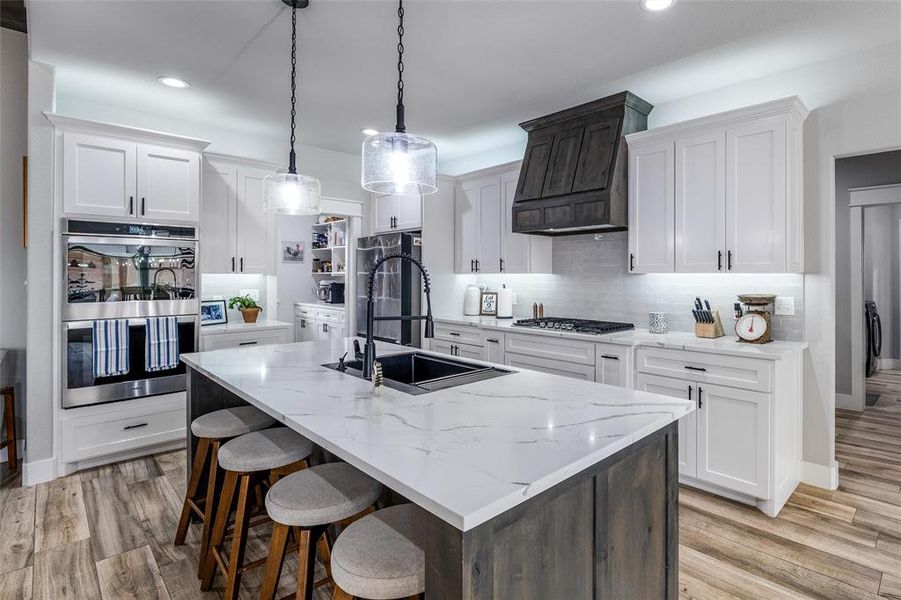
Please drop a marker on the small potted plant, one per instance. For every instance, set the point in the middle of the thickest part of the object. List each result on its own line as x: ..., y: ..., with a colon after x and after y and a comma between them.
x: 250, y: 310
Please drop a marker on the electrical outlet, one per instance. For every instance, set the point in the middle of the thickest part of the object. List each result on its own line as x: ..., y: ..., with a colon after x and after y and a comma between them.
x: 785, y: 305
x: 252, y: 292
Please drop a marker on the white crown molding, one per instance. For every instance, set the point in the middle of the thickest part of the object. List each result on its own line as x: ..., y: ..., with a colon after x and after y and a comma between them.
x: 790, y: 106
x: 489, y: 171
x: 247, y: 162
x: 124, y: 131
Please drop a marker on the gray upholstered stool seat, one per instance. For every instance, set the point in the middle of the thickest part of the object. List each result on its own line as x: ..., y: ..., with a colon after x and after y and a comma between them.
x: 381, y: 556
x: 230, y: 422
x: 321, y: 495
x: 264, y: 450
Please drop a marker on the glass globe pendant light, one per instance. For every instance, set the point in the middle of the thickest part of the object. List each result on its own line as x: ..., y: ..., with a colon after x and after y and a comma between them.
x: 398, y: 162
x: 289, y: 192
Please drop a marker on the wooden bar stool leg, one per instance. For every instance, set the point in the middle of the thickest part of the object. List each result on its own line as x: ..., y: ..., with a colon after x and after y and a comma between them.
x: 191, y: 495
x: 209, y: 504
x: 325, y: 552
x: 221, y: 524
x: 306, y: 561
x: 341, y: 594
x: 239, y: 539
x: 274, y: 561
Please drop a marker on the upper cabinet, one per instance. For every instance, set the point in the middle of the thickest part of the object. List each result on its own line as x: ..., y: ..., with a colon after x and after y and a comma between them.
x: 396, y: 212
x: 237, y: 236
x: 111, y: 171
x: 719, y: 194
x: 484, y: 241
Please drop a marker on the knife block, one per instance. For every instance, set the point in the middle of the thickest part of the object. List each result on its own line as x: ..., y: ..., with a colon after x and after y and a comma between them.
x: 710, y: 330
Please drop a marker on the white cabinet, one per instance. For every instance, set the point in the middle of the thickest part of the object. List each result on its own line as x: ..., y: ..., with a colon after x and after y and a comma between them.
x: 651, y: 208
x: 125, y: 173
x: 688, y: 425
x: 493, y: 346
x: 236, y: 236
x: 553, y: 367
x: 719, y: 194
x: 612, y: 365
x: 396, y: 212
x: 484, y: 241
x: 217, y: 340
x: 305, y: 330
x: 558, y: 356
x: 314, y: 322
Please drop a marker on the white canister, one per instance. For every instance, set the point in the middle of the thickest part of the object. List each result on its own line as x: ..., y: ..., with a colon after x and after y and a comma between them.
x: 505, y: 303
x: 472, y: 300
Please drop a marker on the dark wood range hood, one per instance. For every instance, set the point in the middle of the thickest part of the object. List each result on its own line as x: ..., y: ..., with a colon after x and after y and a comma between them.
x: 574, y: 176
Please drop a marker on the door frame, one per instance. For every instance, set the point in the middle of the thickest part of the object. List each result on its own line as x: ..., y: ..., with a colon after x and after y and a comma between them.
x: 861, y: 198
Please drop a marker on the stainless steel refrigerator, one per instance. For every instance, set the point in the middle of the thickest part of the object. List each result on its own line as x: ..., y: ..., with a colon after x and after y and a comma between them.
x: 397, y: 287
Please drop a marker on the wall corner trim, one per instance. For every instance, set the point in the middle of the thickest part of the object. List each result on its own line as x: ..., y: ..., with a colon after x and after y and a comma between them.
x: 820, y: 475
x: 39, y: 471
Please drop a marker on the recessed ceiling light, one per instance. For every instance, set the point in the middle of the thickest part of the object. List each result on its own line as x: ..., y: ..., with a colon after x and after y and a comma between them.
x: 174, y: 82
x: 369, y: 131
x: 656, y: 5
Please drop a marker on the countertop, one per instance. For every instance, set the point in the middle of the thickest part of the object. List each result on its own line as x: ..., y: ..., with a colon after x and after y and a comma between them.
x: 677, y: 340
x: 466, y: 454
x: 242, y: 327
x: 320, y: 305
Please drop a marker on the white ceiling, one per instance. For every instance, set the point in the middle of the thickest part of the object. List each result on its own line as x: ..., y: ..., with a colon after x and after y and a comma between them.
x: 473, y: 69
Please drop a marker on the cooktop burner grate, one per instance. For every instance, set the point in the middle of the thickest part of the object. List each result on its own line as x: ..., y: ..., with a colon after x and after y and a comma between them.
x: 574, y: 325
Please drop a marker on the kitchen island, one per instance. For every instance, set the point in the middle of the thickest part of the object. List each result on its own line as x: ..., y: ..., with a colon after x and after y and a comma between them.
x: 536, y: 486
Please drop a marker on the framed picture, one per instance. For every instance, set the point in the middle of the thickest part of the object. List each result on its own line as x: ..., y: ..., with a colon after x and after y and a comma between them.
x: 489, y: 304
x: 212, y: 312
x: 292, y: 251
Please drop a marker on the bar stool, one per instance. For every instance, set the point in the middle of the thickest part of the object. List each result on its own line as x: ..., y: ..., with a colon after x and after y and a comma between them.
x: 309, y: 501
x: 381, y: 556
x: 212, y: 428
x: 248, y: 461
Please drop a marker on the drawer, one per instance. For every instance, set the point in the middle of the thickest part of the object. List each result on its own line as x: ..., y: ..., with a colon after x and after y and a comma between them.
x: 454, y: 349
x: 304, y: 311
x: 458, y: 333
x: 553, y: 348
x: 554, y: 367
x: 332, y: 316
x: 244, y: 339
x: 108, y: 431
x: 732, y: 371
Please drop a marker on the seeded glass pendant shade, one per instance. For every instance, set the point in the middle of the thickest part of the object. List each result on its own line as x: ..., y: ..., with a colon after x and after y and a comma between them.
x: 398, y: 162
x: 289, y: 192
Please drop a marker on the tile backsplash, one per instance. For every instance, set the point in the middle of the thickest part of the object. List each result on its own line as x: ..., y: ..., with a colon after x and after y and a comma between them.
x: 590, y: 281
x: 225, y: 286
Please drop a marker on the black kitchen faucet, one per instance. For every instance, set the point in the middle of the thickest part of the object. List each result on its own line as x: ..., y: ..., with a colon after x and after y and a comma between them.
x: 369, y: 348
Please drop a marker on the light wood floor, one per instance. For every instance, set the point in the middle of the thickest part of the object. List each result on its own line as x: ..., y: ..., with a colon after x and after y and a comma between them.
x: 106, y: 533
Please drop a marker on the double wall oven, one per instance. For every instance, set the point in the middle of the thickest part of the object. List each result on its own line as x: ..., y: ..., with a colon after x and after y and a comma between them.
x: 125, y: 271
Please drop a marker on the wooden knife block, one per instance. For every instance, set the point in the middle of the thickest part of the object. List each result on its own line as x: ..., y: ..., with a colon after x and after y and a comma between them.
x: 710, y: 330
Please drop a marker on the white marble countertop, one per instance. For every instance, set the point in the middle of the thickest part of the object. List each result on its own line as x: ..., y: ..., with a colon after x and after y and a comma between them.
x: 241, y: 326
x: 678, y: 340
x: 466, y: 454
x: 320, y: 305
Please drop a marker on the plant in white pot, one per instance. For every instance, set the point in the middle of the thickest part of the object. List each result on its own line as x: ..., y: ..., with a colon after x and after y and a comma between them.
x: 249, y: 308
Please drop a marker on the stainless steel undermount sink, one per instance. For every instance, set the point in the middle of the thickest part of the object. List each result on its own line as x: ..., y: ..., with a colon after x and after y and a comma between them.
x: 419, y: 373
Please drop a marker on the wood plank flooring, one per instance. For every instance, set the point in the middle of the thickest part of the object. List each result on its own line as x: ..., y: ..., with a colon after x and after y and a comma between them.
x: 106, y: 533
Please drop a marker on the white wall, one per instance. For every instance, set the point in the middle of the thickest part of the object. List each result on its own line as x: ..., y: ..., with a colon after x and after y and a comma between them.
x: 880, y: 270
x: 295, y: 284
x: 13, y: 257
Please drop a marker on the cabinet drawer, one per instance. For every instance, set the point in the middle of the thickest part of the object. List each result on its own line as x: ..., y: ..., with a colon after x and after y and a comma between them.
x: 101, y: 433
x: 554, y: 367
x: 545, y: 346
x: 458, y: 334
x: 244, y: 339
x: 304, y: 311
x: 330, y: 315
x: 733, y: 371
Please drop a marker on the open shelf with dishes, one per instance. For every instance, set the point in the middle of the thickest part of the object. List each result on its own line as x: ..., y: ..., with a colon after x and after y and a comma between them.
x: 329, y: 247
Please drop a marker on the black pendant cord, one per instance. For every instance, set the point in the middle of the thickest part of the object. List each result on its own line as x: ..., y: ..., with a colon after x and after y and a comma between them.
x: 292, y: 161
x: 400, y: 126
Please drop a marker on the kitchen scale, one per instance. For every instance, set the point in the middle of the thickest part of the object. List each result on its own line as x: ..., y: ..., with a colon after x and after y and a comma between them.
x: 754, y: 326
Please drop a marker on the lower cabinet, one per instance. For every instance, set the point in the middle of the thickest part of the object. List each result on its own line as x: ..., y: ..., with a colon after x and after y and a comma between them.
x: 313, y: 322
x: 454, y: 349
x: 545, y: 365
x: 613, y: 365
x: 240, y: 339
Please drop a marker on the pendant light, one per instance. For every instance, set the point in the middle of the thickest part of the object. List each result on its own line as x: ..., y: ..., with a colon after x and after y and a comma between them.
x: 289, y: 192
x: 398, y: 162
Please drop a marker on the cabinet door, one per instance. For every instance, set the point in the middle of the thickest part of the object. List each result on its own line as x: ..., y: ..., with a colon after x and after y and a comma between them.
x: 493, y: 346
x: 733, y: 439
x: 168, y: 184
x: 305, y: 330
x: 335, y: 331
x: 384, y: 210
x: 219, y: 207
x: 409, y: 212
x: 489, y: 199
x: 514, y: 246
x: 612, y: 365
x: 651, y: 208
x: 534, y: 165
x: 466, y: 227
x: 701, y: 203
x: 756, y: 196
x: 256, y: 229
x: 442, y: 347
x: 561, y: 168
x: 596, y: 156
x: 99, y: 175
x: 665, y: 386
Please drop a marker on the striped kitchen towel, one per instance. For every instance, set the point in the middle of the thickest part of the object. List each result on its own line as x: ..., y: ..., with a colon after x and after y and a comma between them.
x: 161, y: 347
x: 110, y: 352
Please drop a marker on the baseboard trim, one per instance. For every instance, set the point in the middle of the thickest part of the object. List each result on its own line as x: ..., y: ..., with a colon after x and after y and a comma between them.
x: 38, y: 471
x: 845, y: 402
x: 820, y: 476
x: 888, y: 363
x: 20, y: 449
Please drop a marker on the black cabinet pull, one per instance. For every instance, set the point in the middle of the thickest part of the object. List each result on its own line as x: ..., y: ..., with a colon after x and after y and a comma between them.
x: 303, y: 324
x: 719, y: 260
x: 501, y: 260
x: 325, y: 328
x: 472, y: 265
x: 137, y: 426
x: 246, y: 343
x: 631, y: 262
x: 233, y: 264
x: 143, y: 203
x: 454, y: 333
x: 695, y: 368
x: 242, y: 264
x: 478, y: 267
x: 131, y: 205
x: 689, y: 392
x: 609, y: 356
x: 700, y: 401
x: 493, y: 340
x: 729, y: 260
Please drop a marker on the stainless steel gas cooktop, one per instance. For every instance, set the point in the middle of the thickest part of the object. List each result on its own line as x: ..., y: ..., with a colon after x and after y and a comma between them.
x: 574, y: 325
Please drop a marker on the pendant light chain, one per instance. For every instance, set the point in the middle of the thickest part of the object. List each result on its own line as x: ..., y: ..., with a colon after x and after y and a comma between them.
x: 400, y: 67
x: 292, y: 168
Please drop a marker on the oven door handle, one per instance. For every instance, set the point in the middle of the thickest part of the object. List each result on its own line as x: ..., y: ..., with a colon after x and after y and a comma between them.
x: 130, y: 241
x: 67, y: 325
